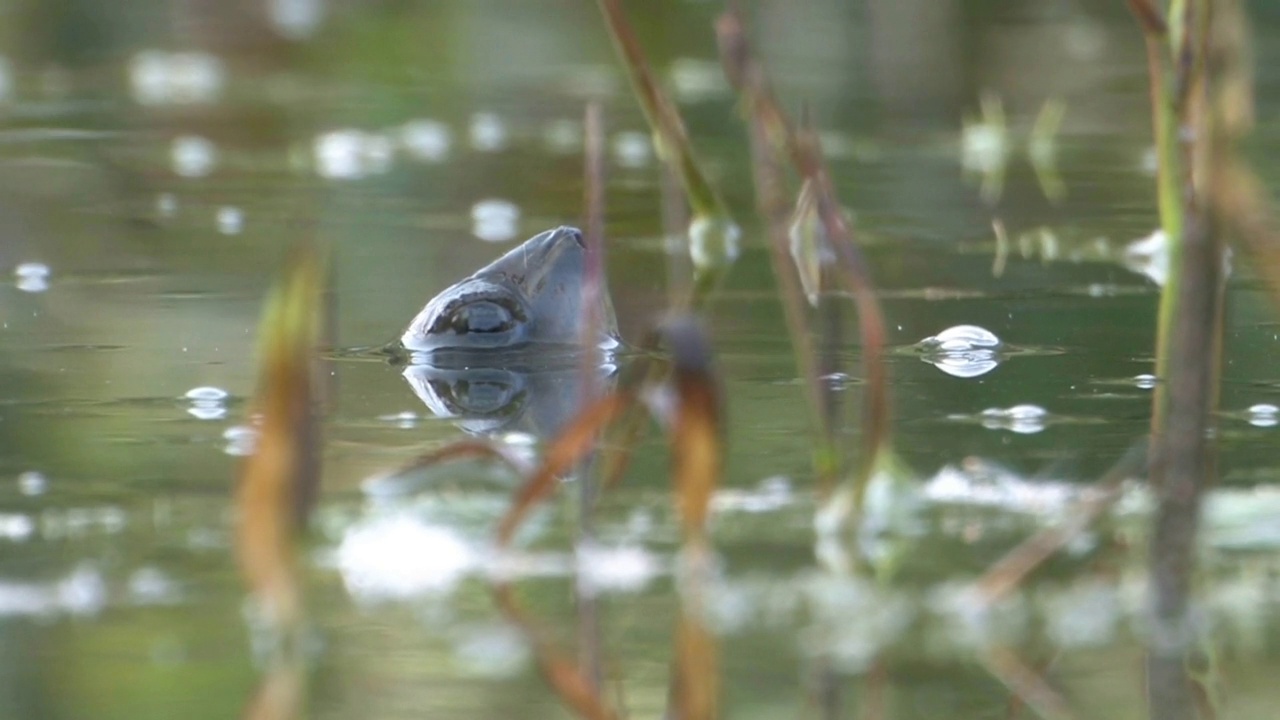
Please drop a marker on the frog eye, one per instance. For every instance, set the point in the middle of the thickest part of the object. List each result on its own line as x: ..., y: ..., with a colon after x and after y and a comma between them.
x: 479, y: 317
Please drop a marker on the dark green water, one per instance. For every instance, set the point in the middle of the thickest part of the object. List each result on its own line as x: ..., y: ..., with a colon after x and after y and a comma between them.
x: 160, y: 193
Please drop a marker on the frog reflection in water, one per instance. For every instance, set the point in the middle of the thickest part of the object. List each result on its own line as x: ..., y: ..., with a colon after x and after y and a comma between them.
x: 500, y: 349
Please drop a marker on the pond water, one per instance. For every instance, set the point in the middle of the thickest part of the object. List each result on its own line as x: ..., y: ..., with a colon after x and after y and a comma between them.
x: 158, y: 157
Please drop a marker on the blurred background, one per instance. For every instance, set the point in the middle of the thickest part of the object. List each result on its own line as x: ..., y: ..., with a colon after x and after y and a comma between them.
x: 158, y: 157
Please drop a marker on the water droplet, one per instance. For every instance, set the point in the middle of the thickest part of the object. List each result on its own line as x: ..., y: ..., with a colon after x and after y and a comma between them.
x: 1024, y: 419
x: 962, y: 351
x: 632, y: 149
x: 32, y: 483
x: 1264, y: 415
x: 426, y: 140
x: 487, y: 132
x: 295, y: 19
x: 206, y: 392
x: 193, y: 156
x: 495, y: 220
x: 33, y: 277
x: 230, y: 220
x: 1144, y: 381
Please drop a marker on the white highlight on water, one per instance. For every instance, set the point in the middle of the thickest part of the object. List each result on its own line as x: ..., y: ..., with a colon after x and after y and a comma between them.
x: 193, y: 156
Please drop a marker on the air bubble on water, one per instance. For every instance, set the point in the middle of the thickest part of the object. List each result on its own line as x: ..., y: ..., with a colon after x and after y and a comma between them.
x: 495, y: 220
x: 1264, y: 415
x: 32, y: 483
x: 295, y: 19
x: 487, y: 132
x: 193, y: 156
x: 563, y: 136
x: 207, y: 402
x: 241, y: 440
x: 230, y: 220
x: 1025, y: 419
x: 962, y: 351
x: 426, y: 140
x: 32, y: 277
x: 632, y: 149
x: 1145, y: 381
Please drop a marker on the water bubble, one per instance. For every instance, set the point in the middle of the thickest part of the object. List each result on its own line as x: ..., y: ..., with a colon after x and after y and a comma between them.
x: 962, y: 351
x: 487, y: 132
x: 33, y: 277
x: 295, y: 19
x: 207, y: 403
x: 32, y: 483
x: 426, y: 140
x: 241, y: 440
x: 632, y: 149
x: 1144, y: 381
x: 182, y: 78
x: 495, y: 220
x: 1024, y: 419
x: 193, y: 156
x: 1264, y: 415
x: 230, y: 220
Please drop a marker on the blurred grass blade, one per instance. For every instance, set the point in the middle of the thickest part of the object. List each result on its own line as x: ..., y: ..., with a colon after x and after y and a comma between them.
x: 279, y: 481
x: 670, y: 137
x: 1042, y: 149
x: 1026, y: 684
x: 695, y: 676
x: 774, y: 131
x: 713, y: 235
x: 697, y: 442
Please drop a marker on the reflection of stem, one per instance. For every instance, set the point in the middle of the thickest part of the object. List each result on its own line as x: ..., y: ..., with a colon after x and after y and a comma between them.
x: 590, y: 652
x: 1026, y: 684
